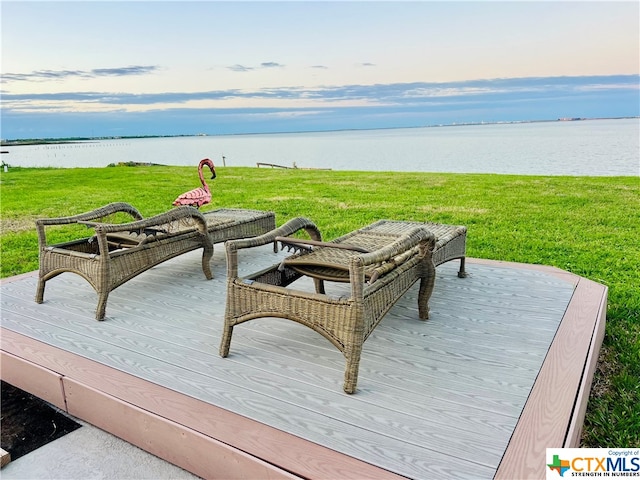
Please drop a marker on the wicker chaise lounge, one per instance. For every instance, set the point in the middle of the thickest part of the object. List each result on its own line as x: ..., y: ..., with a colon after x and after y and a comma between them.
x: 381, y: 262
x: 117, y: 252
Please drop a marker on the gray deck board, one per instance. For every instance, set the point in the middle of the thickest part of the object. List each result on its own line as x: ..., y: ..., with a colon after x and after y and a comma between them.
x: 435, y: 398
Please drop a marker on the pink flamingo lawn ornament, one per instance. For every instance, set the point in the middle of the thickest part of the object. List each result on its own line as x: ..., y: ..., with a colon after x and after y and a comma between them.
x: 201, y: 195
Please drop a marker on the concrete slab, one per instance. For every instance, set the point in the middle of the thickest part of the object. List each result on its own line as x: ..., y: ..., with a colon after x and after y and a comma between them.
x: 89, y: 453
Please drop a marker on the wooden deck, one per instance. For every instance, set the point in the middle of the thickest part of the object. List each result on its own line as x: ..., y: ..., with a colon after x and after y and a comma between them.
x: 501, y: 371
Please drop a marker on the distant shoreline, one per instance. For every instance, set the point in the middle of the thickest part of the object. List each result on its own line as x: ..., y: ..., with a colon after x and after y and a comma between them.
x: 61, y: 141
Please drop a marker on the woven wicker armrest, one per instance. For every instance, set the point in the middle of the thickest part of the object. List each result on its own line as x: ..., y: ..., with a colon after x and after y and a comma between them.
x: 177, y: 221
x: 93, y: 214
x: 291, y: 227
x: 298, y: 242
x: 96, y: 214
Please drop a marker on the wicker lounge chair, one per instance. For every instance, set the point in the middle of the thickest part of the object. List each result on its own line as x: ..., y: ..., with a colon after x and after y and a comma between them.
x: 381, y: 262
x: 117, y: 252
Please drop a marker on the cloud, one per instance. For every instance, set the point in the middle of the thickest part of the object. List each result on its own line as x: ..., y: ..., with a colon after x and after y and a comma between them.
x: 421, y: 94
x: 398, y: 94
x: 240, y: 68
x: 42, y: 75
x: 243, y: 68
x: 319, y: 108
x: 124, y: 71
x: 46, y: 75
x: 271, y: 65
x: 121, y: 98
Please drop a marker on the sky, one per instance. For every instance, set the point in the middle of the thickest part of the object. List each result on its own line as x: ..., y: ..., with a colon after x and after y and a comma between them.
x: 121, y: 68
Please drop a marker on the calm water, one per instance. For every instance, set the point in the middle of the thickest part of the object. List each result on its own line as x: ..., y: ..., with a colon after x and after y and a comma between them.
x: 583, y: 148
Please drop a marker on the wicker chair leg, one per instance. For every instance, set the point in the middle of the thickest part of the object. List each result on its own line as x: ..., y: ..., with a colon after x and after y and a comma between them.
x: 462, y: 273
x: 102, y: 305
x: 225, y: 343
x: 40, y: 291
x: 207, y: 254
x: 352, y: 355
x: 427, y: 282
x: 319, y: 284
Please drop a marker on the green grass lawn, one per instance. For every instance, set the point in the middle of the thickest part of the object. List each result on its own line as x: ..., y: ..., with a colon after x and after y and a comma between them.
x: 589, y: 226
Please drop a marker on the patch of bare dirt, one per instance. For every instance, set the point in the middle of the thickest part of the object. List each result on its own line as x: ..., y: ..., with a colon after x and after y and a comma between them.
x: 27, y: 422
x: 17, y: 225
